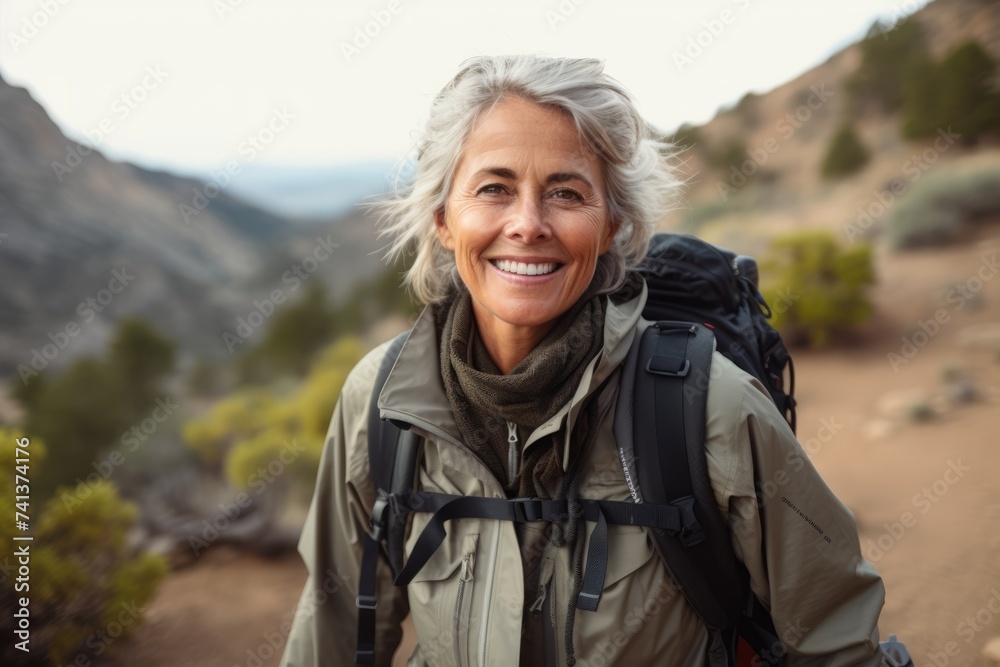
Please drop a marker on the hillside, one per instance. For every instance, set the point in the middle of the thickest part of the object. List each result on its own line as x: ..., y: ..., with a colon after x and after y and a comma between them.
x: 782, y: 136
x: 75, y: 226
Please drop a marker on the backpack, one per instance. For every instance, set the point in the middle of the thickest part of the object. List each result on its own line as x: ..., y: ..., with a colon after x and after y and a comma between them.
x: 698, y: 294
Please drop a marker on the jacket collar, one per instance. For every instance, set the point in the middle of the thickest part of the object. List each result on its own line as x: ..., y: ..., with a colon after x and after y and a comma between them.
x: 414, y: 393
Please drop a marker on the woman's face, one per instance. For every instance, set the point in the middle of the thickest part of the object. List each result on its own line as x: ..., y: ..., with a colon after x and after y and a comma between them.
x: 526, y: 217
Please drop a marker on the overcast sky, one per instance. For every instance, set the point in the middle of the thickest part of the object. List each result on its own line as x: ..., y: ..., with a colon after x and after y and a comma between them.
x: 183, y: 83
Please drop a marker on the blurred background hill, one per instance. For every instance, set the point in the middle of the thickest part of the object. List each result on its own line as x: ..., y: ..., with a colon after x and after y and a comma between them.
x: 173, y: 340
x: 67, y: 231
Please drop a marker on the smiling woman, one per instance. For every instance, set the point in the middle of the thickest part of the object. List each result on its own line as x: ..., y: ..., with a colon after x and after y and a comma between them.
x: 538, y: 186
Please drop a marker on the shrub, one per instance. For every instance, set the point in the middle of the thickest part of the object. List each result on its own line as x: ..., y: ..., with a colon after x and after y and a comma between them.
x: 938, y: 207
x: 259, y: 428
x: 886, y: 53
x: 815, y: 287
x: 86, y: 588
x: 958, y: 93
x: 845, y: 154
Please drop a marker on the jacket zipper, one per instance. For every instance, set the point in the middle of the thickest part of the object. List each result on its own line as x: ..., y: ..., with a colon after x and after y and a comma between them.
x: 549, y: 624
x: 457, y: 629
x: 544, y: 604
x: 488, y: 597
x: 512, y: 453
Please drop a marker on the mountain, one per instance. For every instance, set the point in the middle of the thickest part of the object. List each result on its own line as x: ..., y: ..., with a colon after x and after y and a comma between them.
x: 85, y: 241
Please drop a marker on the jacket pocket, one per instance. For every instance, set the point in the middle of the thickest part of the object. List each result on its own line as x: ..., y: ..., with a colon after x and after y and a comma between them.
x: 441, y: 602
x: 611, y: 635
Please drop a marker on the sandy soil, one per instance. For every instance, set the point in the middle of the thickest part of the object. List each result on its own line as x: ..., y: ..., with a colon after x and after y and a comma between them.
x: 934, y: 535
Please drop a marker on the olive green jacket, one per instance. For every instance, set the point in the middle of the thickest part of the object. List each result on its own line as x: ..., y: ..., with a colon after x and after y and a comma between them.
x: 799, y: 543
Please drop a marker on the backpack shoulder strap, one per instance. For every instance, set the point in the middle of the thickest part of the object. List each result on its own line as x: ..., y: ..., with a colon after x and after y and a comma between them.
x: 670, y: 397
x: 392, y: 461
x: 667, y: 411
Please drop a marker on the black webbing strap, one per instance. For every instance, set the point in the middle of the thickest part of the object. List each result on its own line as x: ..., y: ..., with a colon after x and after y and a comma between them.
x: 392, y: 461
x: 678, y: 519
x: 597, y: 566
x: 364, y: 653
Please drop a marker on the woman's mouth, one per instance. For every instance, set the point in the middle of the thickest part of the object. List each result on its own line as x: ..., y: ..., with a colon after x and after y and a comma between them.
x: 523, y: 268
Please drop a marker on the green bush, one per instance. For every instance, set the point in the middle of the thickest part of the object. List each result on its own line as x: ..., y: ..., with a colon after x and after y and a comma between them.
x: 816, y: 288
x: 87, y: 408
x: 886, y: 53
x: 921, y: 105
x: 959, y: 93
x: 87, y: 589
x: 938, y: 207
x: 258, y: 427
x: 969, y: 100
x: 845, y: 154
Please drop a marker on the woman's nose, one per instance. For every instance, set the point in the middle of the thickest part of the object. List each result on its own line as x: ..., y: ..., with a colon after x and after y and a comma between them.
x: 527, y: 221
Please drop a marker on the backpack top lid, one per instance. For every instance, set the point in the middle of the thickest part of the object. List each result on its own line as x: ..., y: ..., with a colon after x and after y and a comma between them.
x: 691, y: 280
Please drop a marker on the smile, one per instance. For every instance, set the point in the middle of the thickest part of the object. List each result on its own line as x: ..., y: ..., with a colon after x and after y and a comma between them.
x: 523, y: 269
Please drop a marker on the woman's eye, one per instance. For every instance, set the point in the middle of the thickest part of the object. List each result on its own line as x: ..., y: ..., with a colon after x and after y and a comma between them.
x: 567, y: 194
x: 491, y: 189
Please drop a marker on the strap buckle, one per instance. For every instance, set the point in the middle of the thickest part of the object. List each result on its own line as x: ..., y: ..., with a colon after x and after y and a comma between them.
x: 691, y: 532
x: 378, y: 519
x: 527, y: 509
x: 661, y: 364
x: 366, y: 601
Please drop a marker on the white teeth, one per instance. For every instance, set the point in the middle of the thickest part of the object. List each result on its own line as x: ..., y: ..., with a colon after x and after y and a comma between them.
x: 523, y: 269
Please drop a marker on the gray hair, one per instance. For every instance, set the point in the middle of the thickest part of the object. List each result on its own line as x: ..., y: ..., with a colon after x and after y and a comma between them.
x: 636, y: 160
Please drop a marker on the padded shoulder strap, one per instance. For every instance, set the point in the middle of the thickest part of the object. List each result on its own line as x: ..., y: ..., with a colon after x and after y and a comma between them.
x: 392, y: 461
x: 383, y: 434
x: 669, y: 401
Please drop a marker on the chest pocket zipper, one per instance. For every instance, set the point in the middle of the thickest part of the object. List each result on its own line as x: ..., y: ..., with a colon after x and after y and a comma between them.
x: 512, y: 453
x: 463, y: 602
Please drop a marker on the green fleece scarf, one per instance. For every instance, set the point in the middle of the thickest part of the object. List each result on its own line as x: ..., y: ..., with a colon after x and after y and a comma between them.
x: 484, y: 400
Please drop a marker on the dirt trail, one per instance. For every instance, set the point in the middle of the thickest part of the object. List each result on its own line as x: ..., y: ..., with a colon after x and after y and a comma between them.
x: 926, y: 495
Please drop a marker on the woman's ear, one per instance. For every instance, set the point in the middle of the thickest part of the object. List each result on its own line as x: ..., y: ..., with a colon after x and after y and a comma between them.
x: 609, y: 238
x: 441, y: 227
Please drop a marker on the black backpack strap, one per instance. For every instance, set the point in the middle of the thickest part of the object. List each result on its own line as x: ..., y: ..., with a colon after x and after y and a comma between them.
x: 671, y: 519
x: 392, y: 459
x: 670, y: 397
